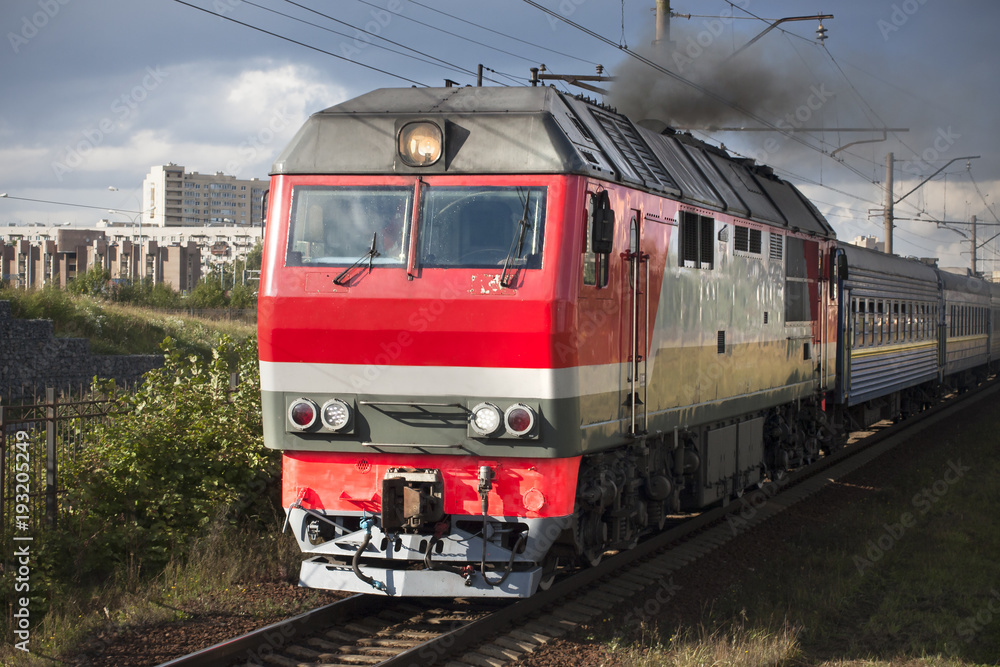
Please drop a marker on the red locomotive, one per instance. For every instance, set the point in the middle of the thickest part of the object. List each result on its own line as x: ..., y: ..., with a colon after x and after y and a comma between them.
x: 506, y: 328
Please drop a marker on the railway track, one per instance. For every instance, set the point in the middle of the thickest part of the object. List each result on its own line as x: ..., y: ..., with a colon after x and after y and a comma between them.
x: 377, y: 630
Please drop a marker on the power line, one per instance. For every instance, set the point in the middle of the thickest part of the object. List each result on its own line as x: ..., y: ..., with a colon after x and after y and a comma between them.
x: 497, y: 32
x: 434, y: 27
x: 703, y: 90
x: 384, y: 39
x: 293, y: 41
x: 344, y: 34
x: 65, y: 203
x: 982, y: 196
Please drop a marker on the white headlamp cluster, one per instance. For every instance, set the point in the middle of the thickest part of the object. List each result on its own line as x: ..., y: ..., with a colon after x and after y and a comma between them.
x: 488, y: 421
x: 305, y: 415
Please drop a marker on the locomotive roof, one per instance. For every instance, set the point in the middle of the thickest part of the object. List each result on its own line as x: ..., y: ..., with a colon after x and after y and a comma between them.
x: 539, y: 130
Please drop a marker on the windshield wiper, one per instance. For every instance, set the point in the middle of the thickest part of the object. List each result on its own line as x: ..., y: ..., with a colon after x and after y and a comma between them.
x: 370, y: 256
x: 517, y: 242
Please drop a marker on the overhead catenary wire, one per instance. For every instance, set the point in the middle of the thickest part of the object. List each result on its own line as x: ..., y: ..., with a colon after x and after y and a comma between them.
x: 823, y: 46
x: 441, y: 63
x: 702, y: 89
x: 432, y: 27
x: 303, y: 44
x: 377, y: 36
x: 497, y: 32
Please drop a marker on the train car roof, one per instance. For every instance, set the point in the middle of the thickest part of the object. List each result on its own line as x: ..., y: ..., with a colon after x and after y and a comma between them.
x: 538, y: 130
x: 875, y: 260
x: 958, y: 282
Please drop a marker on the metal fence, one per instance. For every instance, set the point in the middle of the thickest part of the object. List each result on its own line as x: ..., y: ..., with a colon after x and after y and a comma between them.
x: 36, y: 439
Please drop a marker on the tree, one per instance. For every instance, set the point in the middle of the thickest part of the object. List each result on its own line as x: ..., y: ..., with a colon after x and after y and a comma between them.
x: 207, y: 293
x: 255, y: 257
x: 94, y: 282
x: 243, y: 297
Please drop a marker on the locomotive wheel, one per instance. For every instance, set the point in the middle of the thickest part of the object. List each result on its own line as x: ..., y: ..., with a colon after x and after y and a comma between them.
x: 592, y: 556
x: 549, y: 567
x: 590, y: 535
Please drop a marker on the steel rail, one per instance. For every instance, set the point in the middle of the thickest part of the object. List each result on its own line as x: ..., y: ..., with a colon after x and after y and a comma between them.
x: 835, y: 465
x: 460, y: 640
x: 272, y: 638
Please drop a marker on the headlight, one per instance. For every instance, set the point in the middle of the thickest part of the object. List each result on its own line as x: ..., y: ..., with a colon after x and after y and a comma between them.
x: 519, y: 419
x: 336, y: 414
x: 485, y: 419
x: 420, y: 144
x: 302, y: 413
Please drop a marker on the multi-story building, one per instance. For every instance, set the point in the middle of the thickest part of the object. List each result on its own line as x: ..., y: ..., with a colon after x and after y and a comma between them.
x: 37, y: 262
x: 868, y: 242
x: 172, y: 197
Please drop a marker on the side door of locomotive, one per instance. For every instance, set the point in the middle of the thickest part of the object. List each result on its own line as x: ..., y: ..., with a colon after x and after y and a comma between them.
x: 597, y: 330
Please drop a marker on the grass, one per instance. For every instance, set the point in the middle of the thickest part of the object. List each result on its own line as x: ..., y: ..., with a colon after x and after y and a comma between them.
x: 221, y: 569
x: 737, y: 647
x: 115, y: 328
x: 906, y: 575
x: 220, y: 566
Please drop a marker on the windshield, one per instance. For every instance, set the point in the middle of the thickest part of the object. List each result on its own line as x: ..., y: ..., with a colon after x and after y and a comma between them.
x: 334, y: 226
x: 459, y: 227
x: 476, y: 227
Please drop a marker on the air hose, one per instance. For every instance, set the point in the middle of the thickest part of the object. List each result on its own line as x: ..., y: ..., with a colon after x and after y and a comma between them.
x: 485, y: 484
x: 366, y: 525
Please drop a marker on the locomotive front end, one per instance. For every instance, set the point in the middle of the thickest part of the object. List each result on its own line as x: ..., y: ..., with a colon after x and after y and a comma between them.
x: 411, y: 319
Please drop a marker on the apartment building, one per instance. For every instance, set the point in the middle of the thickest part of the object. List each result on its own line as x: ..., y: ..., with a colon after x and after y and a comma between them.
x: 172, y: 197
x: 37, y: 262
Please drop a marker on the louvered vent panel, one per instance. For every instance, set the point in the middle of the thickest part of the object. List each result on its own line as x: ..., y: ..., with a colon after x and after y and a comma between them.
x: 635, y: 150
x: 776, y: 245
x: 707, y: 243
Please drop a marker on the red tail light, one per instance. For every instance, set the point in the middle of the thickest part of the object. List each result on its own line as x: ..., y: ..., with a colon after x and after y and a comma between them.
x: 303, y: 413
x: 519, y: 419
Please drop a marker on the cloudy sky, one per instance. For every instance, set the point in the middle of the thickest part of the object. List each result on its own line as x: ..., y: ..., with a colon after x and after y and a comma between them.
x: 97, y: 91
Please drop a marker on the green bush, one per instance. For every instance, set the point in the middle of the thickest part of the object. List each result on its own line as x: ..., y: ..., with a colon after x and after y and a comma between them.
x: 181, y: 450
x: 207, y: 294
x: 94, y: 282
x: 243, y: 297
x: 145, y: 293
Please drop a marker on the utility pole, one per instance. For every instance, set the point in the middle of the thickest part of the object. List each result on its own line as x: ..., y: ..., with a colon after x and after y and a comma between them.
x: 888, y: 204
x: 662, y: 22
x: 973, y: 245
